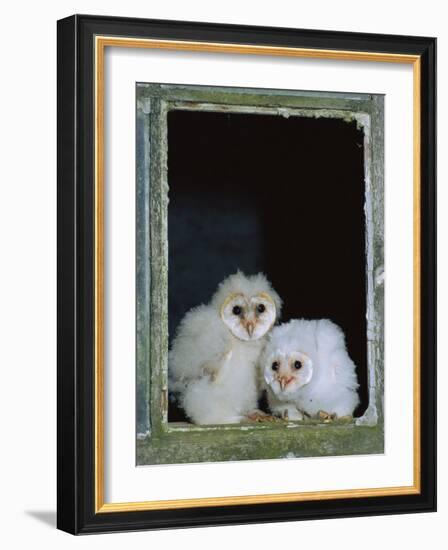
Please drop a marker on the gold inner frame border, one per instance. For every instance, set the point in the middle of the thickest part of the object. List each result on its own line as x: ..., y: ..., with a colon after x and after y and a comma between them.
x: 101, y: 42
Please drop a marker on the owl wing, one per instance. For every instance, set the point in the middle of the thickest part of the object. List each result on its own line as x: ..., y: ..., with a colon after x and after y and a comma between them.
x: 201, y: 342
x: 333, y: 353
x: 337, y: 388
x: 345, y: 369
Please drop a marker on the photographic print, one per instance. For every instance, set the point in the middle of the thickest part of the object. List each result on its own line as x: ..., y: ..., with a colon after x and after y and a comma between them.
x: 260, y: 219
x: 246, y: 274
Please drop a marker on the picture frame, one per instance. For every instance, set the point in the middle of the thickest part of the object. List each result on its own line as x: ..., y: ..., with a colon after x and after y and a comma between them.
x: 82, y: 241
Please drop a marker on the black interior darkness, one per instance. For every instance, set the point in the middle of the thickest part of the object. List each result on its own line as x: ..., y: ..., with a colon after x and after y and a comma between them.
x: 284, y: 196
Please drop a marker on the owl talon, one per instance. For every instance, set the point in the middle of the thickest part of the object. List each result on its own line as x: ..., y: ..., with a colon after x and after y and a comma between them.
x: 260, y: 416
x: 326, y: 417
x: 211, y: 372
x: 213, y: 368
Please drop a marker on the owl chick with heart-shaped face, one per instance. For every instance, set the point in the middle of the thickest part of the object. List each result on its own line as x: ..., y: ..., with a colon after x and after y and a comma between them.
x: 212, y: 364
x: 307, y: 369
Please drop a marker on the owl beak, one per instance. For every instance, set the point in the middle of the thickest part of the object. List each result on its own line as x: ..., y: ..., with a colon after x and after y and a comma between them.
x: 250, y: 326
x: 284, y: 381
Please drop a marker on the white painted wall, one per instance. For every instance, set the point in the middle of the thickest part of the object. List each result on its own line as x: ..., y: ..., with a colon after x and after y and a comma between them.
x: 28, y: 270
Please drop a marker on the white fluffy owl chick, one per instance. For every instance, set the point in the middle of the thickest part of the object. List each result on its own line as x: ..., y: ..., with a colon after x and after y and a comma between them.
x: 307, y: 369
x: 213, y: 360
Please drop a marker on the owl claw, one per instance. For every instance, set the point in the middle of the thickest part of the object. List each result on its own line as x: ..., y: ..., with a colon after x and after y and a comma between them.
x: 326, y: 417
x: 214, y: 367
x: 260, y: 416
x: 211, y: 372
x: 228, y: 355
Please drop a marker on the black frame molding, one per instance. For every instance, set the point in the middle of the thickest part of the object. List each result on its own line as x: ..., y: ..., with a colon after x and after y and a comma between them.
x: 76, y: 285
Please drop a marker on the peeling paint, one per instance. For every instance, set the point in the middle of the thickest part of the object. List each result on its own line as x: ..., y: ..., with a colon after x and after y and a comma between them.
x: 144, y: 105
x: 283, y: 112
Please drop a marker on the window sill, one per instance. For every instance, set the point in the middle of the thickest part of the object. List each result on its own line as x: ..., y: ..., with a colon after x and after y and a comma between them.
x: 182, y: 442
x: 252, y: 426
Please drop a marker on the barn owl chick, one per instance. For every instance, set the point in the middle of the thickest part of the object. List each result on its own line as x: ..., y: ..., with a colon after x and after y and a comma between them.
x: 307, y: 370
x: 213, y: 360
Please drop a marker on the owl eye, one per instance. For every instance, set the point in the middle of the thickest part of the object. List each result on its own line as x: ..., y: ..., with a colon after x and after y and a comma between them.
x: 297, y: 365
x: 275, y: 365
x: 261, y: 308
x: 236, y: 310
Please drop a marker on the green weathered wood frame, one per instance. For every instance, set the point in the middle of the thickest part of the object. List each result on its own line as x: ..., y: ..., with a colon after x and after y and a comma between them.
x: 160, y: 442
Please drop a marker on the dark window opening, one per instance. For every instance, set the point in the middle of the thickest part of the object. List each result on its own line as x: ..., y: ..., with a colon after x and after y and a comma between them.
x: 284, y: 196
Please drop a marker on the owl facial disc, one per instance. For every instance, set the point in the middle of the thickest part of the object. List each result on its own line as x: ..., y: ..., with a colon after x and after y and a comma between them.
x: 248, y: 317
x: 287, y: 372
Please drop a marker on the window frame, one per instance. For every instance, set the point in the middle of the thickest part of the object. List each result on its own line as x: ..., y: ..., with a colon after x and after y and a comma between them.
x: 160, y: 442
